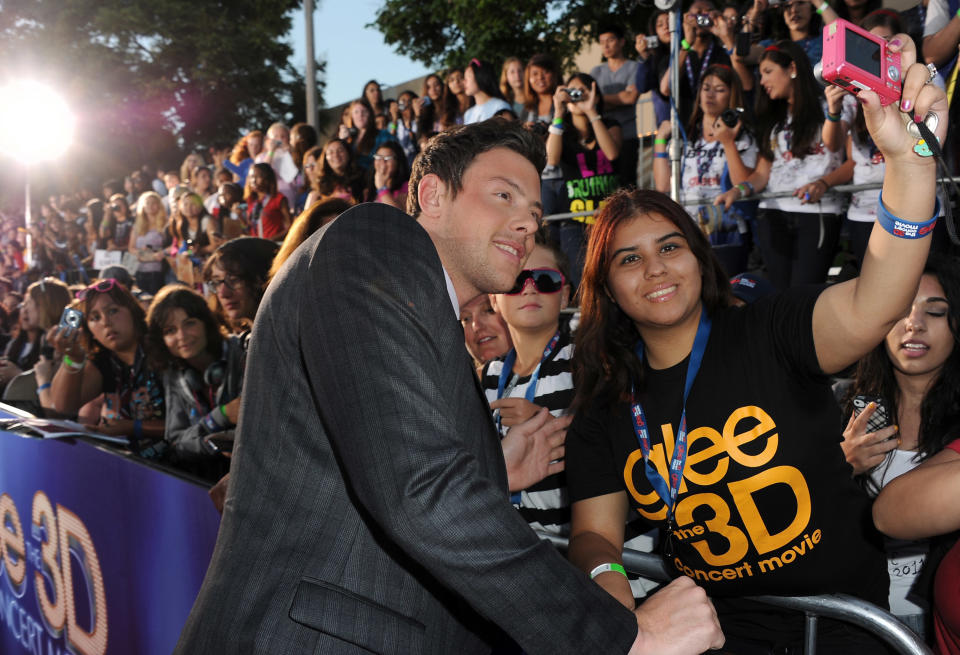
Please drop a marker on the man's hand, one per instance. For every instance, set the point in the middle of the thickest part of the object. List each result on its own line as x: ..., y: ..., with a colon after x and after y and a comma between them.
x: 531, y: 450
x: 677, y: 620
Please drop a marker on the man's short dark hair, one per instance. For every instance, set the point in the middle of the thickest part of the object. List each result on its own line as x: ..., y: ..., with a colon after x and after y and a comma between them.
x: 611, y: 28
x: 450, y: 153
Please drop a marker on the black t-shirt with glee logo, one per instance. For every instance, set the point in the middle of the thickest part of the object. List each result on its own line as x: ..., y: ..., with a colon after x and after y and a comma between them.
x: 768, y: 504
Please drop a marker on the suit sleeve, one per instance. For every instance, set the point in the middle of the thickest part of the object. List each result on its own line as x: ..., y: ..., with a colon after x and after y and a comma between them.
x: 379, y: 366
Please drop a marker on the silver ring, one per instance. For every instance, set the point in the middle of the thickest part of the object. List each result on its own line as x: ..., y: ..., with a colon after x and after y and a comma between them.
x: 933, y: 72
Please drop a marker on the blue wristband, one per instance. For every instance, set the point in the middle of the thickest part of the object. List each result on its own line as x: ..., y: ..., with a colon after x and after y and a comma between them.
x: 905, y: 229
x: 43, y: 387
x: 660, y: 155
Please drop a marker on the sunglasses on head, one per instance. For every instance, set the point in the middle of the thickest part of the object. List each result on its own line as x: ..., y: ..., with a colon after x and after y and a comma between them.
x: 102, y: 286
x: 545, y: 280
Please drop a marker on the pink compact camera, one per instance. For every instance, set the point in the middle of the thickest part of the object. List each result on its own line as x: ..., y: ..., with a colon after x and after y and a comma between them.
x: 856, y: 60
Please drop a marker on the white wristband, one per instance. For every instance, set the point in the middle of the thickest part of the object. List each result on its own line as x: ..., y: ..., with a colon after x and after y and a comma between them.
x: 609, y: 566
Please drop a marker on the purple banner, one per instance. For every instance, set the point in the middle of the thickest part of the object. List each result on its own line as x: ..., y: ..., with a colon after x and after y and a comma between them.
x: 99, y: 553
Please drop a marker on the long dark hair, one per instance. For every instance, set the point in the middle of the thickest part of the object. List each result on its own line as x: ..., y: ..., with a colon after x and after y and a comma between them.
x: 169, y: 298
x: 940, y: 409
x: 606, y: 365
x: 547, y: 63
x: 401, y: 175
x: 726, y: 75
x: 570, y: 136
x: 329, y: 180
x: 485, y: 77
x: 806, y: 120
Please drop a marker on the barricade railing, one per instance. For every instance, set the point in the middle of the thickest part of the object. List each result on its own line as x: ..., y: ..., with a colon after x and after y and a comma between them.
x: 839, y: 189
x: 840, y: 607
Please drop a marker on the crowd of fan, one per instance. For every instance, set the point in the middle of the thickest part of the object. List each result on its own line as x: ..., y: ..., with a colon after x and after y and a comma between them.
x: 168, y: 267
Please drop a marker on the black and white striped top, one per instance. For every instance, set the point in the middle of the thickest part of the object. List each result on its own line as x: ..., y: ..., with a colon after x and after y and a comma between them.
x: 545, y: 505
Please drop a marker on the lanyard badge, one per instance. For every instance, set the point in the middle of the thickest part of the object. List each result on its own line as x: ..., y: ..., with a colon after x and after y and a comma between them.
x: 668, y: 490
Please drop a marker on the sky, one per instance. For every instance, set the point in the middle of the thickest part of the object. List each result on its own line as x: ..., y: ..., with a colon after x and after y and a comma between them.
x: 353, y: 53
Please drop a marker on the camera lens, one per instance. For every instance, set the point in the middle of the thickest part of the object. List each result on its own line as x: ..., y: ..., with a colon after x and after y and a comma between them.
x: 704, y: 21
x: 730, y: 117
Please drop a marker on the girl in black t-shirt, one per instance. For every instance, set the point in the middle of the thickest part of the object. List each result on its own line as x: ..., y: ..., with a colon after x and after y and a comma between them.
x: 749, y: 510
x: 585, y: 147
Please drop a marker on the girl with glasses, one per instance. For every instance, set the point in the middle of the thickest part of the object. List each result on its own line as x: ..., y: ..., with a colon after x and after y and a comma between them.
x: 534, y: 374
x: 106, y: 355
x: 388, y: 179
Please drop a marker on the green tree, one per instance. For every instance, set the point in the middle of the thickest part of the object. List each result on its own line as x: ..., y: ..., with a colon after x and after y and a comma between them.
x: 442, y: 33
x: 149, y: 77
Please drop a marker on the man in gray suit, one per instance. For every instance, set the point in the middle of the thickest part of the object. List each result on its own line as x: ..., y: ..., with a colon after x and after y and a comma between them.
x: 368, y: 508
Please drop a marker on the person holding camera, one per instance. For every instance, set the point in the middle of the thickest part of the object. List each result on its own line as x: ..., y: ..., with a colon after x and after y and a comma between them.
x: 699, y: 50
x: 717, y: 423
x: 654, y: 52
x: 585, y: 146
x: 719, y: 154
x: 105, y: 354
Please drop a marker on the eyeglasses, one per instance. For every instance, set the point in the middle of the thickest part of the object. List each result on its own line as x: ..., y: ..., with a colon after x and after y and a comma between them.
x: 116, y: 208
x: 229, y: 283
x: 545, y: 280
x: 384, y: 157
x: 309, y: 167
x: 102, y: 286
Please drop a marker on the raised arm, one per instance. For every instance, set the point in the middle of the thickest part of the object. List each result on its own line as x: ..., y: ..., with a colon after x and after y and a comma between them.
x: 851, y: 318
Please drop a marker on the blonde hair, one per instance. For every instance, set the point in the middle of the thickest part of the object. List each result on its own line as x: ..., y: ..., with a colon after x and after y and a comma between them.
x: 505, y: 87
x: 144, y: 223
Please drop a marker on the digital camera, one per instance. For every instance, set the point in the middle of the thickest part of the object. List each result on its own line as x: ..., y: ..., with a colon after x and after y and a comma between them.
x: 71, y: 318
x: 704, y: 21
x: 856, y: 60
x: 731, y: 116
x: 652, y: 41
x: 576, y: 95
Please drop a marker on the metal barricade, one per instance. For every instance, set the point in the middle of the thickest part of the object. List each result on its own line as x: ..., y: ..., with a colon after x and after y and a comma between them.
x: 840, y: 188
x: 840, y: 607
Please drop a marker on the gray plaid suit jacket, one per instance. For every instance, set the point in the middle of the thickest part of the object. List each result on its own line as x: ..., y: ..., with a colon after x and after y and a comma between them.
x: 368, y: 508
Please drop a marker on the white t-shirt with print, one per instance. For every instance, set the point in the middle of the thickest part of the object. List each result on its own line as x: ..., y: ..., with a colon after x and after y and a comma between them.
x: 702, y: 169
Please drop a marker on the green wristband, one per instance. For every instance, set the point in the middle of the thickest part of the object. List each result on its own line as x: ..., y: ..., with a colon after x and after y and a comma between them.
x: 224, y: 412
x: 72, y: 364
x: 605, y: 568
x: 684, y: 44
x: 558, y: 121
x: 822, y: 8
x: 958, y: 13
x: 659, y: 142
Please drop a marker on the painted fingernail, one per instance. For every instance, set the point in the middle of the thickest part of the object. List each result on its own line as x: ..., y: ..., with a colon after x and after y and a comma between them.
x: 896, y: 43
x: 917, y: 119
x: 906, y: 105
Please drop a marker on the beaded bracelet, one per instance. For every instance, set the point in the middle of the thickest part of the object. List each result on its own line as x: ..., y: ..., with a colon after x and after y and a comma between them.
x: 901, y: 228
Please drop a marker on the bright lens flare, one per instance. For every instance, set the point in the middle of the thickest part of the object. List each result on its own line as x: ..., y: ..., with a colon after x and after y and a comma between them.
x: 35, y: 123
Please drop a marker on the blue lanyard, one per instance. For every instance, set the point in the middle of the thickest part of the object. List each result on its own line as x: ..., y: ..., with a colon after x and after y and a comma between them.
x: 531, y: 391
x: 668, y: 492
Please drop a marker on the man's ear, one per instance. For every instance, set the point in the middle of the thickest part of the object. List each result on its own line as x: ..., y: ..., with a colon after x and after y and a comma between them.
x: 493, y: 302
x: 430, y: 194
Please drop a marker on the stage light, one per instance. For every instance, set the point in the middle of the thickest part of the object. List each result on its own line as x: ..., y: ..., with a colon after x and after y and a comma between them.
x: 35, y: 122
